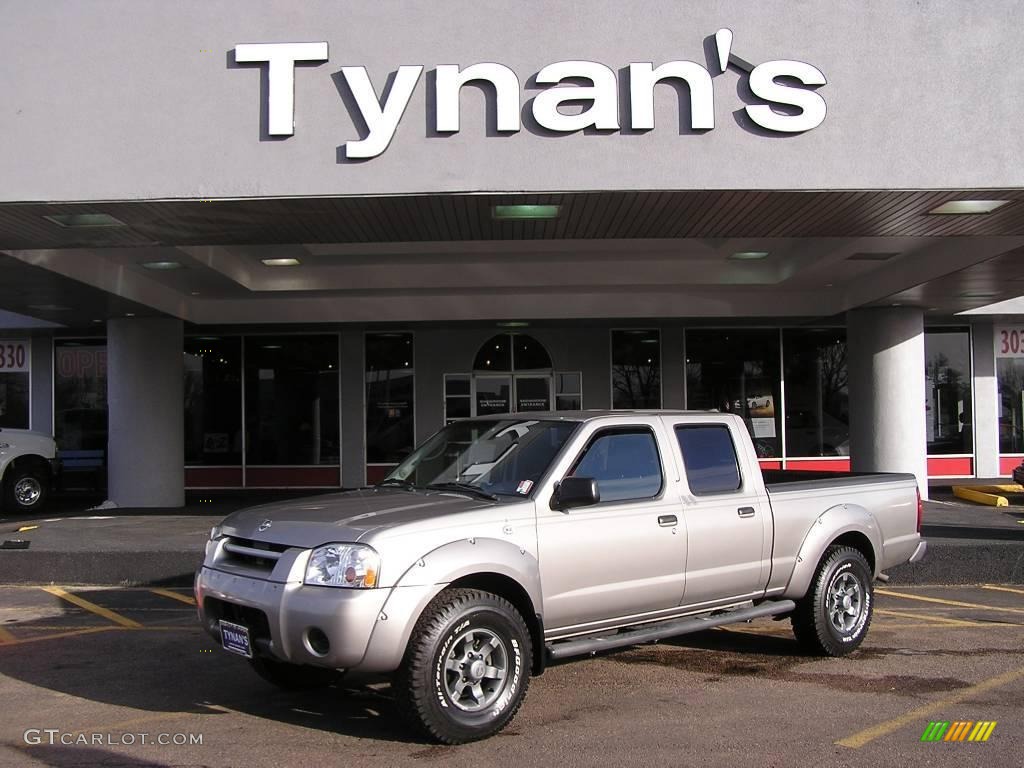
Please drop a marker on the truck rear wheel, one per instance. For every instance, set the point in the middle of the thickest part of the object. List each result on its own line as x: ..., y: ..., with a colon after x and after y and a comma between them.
x: 466, y: 669
x: 293, y: 677
x: 833, y: 618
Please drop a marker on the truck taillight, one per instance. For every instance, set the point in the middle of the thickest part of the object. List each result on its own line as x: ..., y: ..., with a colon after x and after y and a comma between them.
x: 920, y: 510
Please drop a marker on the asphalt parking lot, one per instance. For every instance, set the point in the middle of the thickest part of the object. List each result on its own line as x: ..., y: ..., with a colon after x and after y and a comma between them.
x: 109, y: 668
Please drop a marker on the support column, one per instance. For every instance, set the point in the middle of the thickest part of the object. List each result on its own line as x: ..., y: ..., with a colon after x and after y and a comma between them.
x: 145, y: 401
x: 986, y: 402
x: 885, y: 349
x: 353, y: 409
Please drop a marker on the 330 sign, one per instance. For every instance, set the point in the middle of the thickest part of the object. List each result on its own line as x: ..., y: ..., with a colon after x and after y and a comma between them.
x: 1009, y: 341
x: 14, y: 355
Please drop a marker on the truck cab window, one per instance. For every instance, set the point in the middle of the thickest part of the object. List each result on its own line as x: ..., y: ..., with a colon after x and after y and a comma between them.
x: 625, y: 465
x: 710, y: 459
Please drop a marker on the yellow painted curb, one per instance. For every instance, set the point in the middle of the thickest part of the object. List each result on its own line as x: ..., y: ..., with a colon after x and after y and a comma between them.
x: 980, y: 497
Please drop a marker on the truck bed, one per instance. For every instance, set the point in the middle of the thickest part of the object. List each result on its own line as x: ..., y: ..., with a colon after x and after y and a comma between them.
x: 785, y: 480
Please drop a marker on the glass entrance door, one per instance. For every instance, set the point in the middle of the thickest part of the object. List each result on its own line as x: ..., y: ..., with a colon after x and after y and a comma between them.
x: 533, y: 392
x: 493, y: 394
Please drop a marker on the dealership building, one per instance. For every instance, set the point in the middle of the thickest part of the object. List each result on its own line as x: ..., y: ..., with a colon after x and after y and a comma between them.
x: 276, y: 244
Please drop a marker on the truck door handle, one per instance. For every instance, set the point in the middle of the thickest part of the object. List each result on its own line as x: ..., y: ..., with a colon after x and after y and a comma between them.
x: 745, y: 511
x: 667, y: 521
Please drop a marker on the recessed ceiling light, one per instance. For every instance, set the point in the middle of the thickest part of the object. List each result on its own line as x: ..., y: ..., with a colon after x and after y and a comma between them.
x: 524, y: 212
x: 968, y: 206
x: 162, y: 265
x: 749, y: 255
x: 977, y: 295
x: 513, y: 324
x: 271, y: 346
x: 49, y: 307
x: 289, y: 262
x: 85, y: 220
x: 97, y: 320
x: 129, y: 314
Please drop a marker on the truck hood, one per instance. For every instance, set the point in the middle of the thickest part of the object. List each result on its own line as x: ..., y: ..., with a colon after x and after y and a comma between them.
x: 344, y: 517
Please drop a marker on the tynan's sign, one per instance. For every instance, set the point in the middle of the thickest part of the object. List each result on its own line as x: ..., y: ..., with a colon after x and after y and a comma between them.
x: 805, y: 108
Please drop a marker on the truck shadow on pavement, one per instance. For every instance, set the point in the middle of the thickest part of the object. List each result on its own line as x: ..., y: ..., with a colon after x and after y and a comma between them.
x: 167, y: 665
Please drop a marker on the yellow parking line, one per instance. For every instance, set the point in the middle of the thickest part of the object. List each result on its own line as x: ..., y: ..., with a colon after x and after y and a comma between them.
x: 123, y: 724
x: 6, y: 638
x: 1003, y: 589
x: 174, y: 596
x: 954, y: 603
x: 99, y: 610
x: 75, y: 633
x: 939, y: 620
x: 859, y: 739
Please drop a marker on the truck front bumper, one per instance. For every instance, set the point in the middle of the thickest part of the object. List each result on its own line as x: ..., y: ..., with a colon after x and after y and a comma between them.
x: 285, y: 619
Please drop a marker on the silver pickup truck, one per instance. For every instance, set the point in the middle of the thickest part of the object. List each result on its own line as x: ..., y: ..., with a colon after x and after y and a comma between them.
x: 506, y: 542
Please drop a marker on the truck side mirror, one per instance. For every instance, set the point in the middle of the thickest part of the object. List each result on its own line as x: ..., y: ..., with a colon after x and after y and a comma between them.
x: 575, y: 492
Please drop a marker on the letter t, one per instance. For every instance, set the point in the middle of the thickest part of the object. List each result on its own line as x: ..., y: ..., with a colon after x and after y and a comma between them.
x: 281, y: 58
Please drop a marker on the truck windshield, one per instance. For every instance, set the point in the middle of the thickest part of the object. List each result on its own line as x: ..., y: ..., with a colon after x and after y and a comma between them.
x: 504, y: 456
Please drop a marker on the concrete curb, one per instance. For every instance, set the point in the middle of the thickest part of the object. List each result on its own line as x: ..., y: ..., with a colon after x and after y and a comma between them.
x: 949, y: 561
x: 965, y: 561
x: 99, y: 568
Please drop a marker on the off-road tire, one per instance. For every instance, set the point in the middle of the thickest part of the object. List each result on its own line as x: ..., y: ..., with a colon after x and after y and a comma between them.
x: 293, y: 677
x: 833, y: 618
x: 429, y: 690
x: 26, y: 489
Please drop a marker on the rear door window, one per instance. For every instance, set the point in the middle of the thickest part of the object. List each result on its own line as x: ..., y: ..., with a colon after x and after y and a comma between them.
x: 710, y: 458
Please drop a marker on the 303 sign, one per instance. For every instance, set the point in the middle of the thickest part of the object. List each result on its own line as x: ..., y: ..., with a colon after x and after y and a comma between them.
x: 1009, y: 341
x: 15, y: 355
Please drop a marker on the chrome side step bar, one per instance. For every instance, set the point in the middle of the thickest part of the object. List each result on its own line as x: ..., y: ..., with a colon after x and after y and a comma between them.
x: 652, y: 632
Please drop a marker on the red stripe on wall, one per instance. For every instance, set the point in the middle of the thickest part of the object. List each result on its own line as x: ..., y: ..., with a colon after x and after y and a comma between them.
x: 1007, y: 464
x: 770, y: 463
x: 953, y: 465
x: 213, y: 477
x: 374, y: 474
x: 285, y: 477
x: 819, y: 465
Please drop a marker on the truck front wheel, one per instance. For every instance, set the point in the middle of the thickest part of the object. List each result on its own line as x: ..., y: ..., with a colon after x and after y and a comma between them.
x: 466, y: 668
x: 833, y: 618
x: 26, y: 489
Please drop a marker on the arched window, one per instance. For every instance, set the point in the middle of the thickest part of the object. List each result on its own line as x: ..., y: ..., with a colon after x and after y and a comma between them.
x: 509, y: 352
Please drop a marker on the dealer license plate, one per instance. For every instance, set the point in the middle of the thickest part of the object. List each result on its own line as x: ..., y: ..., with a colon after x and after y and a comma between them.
x: 235, y: 638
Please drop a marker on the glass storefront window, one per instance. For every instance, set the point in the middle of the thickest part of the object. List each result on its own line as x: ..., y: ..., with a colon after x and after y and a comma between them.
x: 568, y: 391
x: 817, y: 399
x: 948, y: 388
x: 737, y: 371
x: 213, y: 401
x: 458, y: 402
x: 636, y: 369
x: 389, y: 397
x: 291, y: 400
x: 80, y: 395
x: 14, y: 400
x: 1010, y: 373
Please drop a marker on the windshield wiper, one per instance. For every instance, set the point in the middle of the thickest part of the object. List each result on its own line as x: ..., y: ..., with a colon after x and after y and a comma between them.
x: 463, y: 488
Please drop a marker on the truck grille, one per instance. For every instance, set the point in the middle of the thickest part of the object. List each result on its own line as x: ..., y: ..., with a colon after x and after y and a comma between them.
x: 258, y: 555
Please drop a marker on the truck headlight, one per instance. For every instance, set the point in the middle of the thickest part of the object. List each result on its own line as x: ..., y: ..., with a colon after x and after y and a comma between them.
x: 343, y: 565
